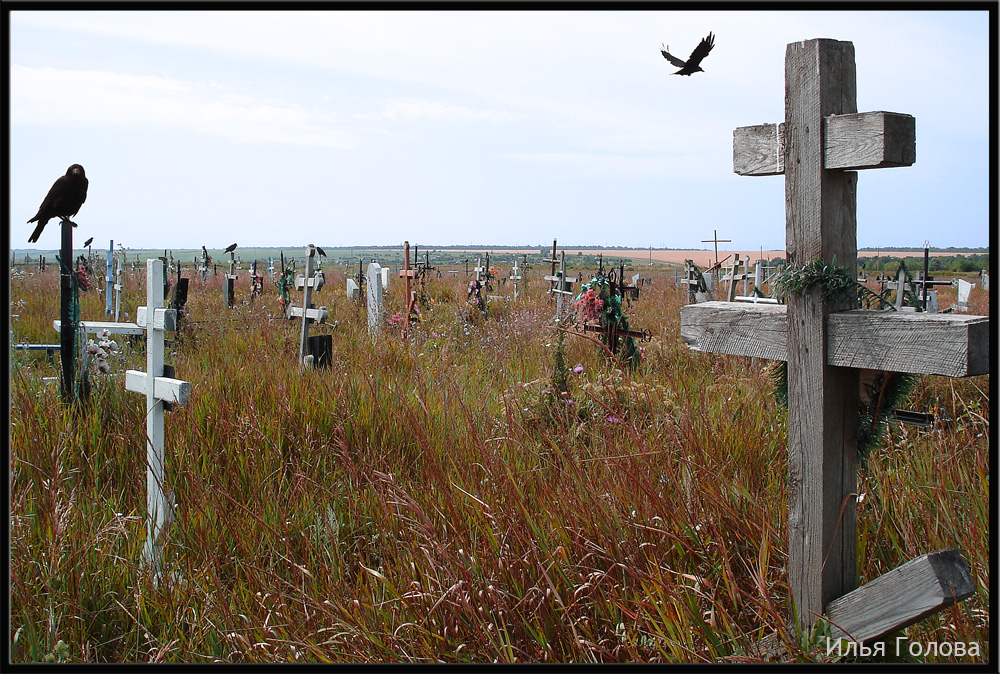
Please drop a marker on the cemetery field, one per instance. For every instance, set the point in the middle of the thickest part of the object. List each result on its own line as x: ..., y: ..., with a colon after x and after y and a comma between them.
x: 441, y: 499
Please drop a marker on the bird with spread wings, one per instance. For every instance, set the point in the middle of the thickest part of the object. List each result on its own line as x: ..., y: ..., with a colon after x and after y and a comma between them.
x: 693, y: 64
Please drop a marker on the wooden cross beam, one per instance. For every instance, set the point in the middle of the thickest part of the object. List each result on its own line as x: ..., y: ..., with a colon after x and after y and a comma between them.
x: 821, y: 143
x: 156, y: 320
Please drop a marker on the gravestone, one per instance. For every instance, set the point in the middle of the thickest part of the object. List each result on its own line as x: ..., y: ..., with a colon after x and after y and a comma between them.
x: 373, y: 284
x: 964, y: 290
x: 353, y: 291
x: 818, y: 149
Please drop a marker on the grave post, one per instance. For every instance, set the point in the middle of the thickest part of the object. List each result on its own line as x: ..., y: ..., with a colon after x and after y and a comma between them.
x: 158, y: 389
x: 67, y: 313
x: 373, y: 285
x: 311, y: 281
x: 410, y: 295
x: 108, y: 277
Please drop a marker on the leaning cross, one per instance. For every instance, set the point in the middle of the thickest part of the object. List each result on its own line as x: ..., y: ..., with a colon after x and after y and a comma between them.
x: 818, y: 149
x: 158, y: 388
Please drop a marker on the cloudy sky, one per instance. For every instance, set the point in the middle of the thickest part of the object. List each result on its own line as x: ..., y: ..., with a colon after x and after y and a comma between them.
x: 351, y: 128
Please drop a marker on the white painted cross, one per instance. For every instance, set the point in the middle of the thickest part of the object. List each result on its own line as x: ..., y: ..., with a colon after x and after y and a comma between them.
x: 818, y: 148
x: 373, y: 285
x: 561, y: 285
x: 156, y: 320
x: 515, y: 276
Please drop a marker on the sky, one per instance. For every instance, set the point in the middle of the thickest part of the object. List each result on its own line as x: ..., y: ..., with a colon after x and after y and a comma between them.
x: 370, y: 127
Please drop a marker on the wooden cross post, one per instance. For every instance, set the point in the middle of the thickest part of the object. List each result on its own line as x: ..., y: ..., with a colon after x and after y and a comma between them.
x: 716, y: 240
x: 818, y: 149
x: 158, y: 389
x: 553, y: 260
x: 408, y: 274
x: 561, y: 285
x: 307, y: 312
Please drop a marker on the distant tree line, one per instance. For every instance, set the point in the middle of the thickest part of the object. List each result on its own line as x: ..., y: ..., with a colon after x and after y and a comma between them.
x: 942, y: 263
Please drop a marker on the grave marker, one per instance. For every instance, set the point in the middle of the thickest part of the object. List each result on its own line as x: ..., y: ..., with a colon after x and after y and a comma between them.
x: 824, y: 342
x: 311, y: 281
x: 373, y: 283
x: 561, y: 284
x: 407, y: 274
x: 159, y: 389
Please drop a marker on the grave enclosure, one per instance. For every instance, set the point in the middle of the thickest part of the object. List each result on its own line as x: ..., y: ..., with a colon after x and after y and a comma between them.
x: 818, y: 148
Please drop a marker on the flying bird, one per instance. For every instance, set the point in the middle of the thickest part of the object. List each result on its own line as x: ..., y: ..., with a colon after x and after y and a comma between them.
x: 693, y: 64
x: 63, y: 201
x: 230, y: 249
x: 88, y: 242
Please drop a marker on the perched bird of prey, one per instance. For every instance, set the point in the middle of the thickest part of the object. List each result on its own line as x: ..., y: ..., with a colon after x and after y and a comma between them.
x: 63, y: 201
x: 320, y: 251
x: 230, y: 249
x: 693, y: 64
x: 88, y: 242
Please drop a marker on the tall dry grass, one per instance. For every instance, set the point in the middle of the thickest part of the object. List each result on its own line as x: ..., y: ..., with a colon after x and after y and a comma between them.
x: 438, y: 500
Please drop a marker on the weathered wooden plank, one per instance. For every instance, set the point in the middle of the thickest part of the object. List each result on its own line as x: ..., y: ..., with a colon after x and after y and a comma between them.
x: 94, y: 327
x: 755, y: 330
x: 759, y: 150
x: 820, y: 223
x: 870, y: 140
x: 901, y: 597
x: 953, y: 345
x: 860, y: 140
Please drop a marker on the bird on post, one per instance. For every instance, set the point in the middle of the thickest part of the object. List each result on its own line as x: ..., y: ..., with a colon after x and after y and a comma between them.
x: 88, y: 242
x: 231, y: 248
x: 693, y: 64
x: 321, y: 251
x: 63, y: 201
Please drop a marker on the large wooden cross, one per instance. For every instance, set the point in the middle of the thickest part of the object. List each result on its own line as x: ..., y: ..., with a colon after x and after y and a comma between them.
x: 818, y: 149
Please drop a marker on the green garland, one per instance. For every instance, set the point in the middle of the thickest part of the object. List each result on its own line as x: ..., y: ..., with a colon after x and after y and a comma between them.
x: 833, y: 282
x: 878, y: 397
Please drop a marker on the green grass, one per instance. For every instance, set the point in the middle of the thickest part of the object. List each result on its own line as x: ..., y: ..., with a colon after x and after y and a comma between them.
x: 438, y: 500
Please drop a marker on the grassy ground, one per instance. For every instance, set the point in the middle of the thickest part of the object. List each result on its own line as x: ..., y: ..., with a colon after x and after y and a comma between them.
x: 438, y: 500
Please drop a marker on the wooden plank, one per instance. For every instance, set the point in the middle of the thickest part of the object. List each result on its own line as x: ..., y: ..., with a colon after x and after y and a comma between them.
x: 820, y: 223
x: 901, y: 597
x: 853, y: 141
x: 870, y: 140
x: 94, y: 327
x: 953, y: 345
x: 164, y: 388
x: 759, y: 150
x: 756, y: 330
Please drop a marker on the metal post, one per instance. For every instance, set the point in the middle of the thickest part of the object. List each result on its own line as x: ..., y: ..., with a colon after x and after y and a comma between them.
x: 306, y: 303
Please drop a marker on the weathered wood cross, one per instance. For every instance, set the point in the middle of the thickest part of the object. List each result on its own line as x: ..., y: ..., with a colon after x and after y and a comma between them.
x: 307, y: 284
x: 818, y: 149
